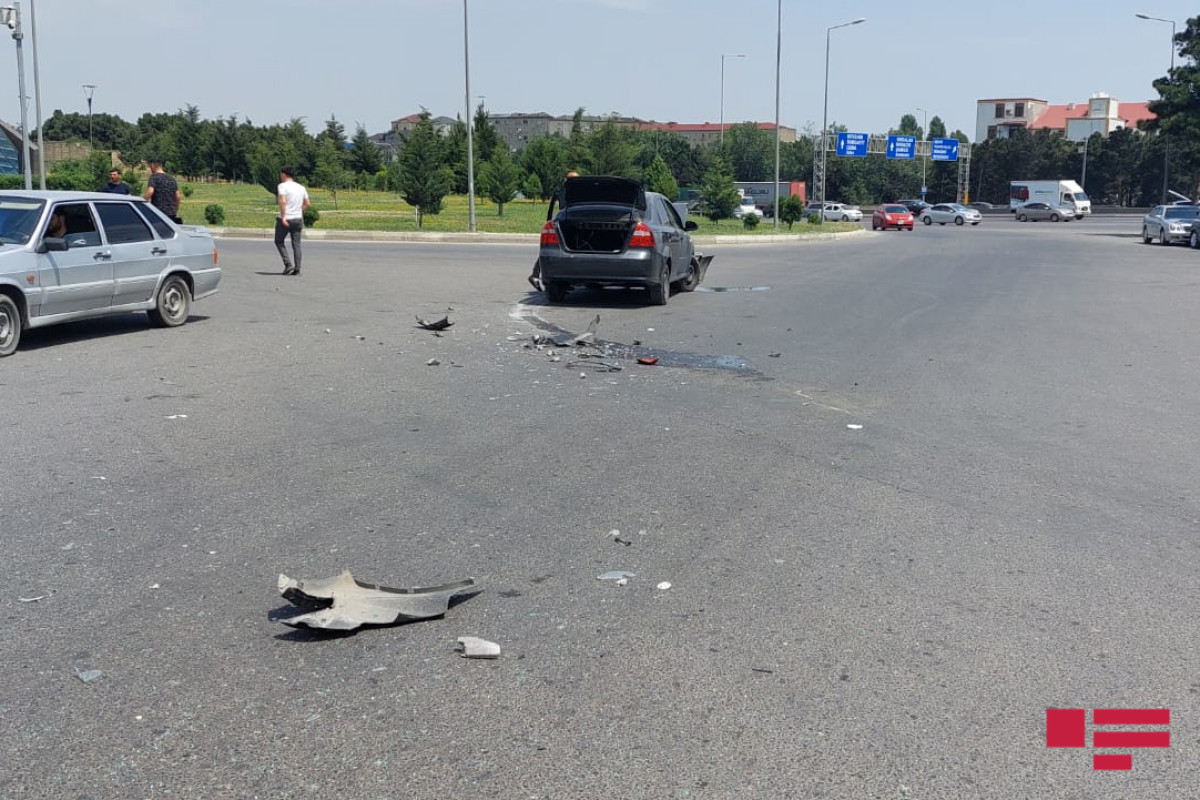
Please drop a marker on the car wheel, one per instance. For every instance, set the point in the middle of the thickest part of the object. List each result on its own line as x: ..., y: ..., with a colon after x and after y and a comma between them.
x: 927, y: 220
x: 958, y: 220
x: 1054, y: 217
x: 10, y: 325
x: 1162, y: 237
x: 173, y: 303
x: 1146, y: 235
x: 1021, y: 217
x: 1194, y: 240
x: 692, y: 279
x: 660, y: 292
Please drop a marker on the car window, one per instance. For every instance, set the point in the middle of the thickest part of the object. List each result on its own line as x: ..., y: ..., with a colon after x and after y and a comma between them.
x: 895, y: 209
x: 81, y: 225
x: 671, y: 215
x: 1157, y: 212
x: 18, y: 218
x: 122, y: 224
x: 161, y: 224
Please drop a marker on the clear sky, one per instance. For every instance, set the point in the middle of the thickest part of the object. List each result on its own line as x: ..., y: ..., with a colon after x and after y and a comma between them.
x: 371, y: 61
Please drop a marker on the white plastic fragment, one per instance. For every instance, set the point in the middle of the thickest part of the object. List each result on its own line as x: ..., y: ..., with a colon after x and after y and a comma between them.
x: 615, y: 575
x: 622, y: 581
x: 433, y: 362
x: 177, y: 416
x: 87, y: 676
x: 155, y: 586
x: 474, y: 647
x: 31, y: 599
x: 662, y: 587
x: 854, y: 426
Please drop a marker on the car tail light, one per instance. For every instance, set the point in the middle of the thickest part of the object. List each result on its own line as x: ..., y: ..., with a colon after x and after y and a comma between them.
x: 549, y: 234
x: 642, y: 236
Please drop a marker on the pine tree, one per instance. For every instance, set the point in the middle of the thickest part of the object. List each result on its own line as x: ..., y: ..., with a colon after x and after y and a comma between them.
x: 422, y: 176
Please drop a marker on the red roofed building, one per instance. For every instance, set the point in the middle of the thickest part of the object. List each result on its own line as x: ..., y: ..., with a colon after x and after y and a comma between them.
x: 996, y: 119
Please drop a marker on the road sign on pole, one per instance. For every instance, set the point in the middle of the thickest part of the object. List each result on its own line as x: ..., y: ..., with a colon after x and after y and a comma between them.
x: 943, y: 150
x: 901, y: 146
x: 852, y: 144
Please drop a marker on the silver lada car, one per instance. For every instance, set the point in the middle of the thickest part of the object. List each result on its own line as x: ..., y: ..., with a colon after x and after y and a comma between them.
x: 66, y: 256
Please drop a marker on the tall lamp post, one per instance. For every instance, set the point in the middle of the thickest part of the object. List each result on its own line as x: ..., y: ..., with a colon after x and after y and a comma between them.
x: 37, y: 98
x: 825, y: 117
x: 778, y: 53
x: 924, y: 136
x: 11, y: 16
x: 470, y: 137
x: 723, y: 57
x: 1166, y: 141
x: 89, y: 89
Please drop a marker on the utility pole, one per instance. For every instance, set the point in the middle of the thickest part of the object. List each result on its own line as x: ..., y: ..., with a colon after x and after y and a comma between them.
x: 89, y: 89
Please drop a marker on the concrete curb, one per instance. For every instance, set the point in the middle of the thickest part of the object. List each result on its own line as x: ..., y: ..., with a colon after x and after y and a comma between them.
x: 325, y: 234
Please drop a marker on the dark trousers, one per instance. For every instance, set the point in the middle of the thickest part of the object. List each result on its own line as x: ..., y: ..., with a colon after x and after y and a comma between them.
x: 295, y: 229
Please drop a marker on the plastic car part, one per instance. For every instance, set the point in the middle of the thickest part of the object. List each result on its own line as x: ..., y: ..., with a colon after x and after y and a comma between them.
x: 437, y: 325
x: 344, y: 603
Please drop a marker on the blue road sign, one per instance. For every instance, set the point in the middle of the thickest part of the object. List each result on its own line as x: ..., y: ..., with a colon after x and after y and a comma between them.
x: 901, y: 146
x: 943, y: 150
x: 851, y: 144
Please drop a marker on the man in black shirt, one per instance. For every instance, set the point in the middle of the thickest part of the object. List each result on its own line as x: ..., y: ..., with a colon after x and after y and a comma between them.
x: 163, y: 192
x: 115, y: 185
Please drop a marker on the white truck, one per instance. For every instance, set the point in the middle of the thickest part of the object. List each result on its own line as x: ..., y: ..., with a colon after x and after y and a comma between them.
x: 1064, y: 194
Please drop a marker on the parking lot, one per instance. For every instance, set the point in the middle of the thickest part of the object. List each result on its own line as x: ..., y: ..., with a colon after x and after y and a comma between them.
x: 909, y: 490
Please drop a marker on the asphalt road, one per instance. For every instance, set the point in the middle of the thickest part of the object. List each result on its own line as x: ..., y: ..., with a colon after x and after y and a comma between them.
x: 883, y: 611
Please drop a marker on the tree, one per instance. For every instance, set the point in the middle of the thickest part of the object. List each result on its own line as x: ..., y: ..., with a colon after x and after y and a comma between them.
x: 749, y: 151
x: 611, y: 152
x: 484, y: 136
x: 909, y: 126
x: 720, y: 193
x: 1177, y: 108
x: 186, y: 130
x: 791, y: 210
x: 454, y: 155
x: 334, y: 132
x: 331, y: 171
x: 500, y: 178
x: 577, y: 145
x: 423, y: 178
x: 937, y: 128
x: 545, y: 158
x: 659, y: 179
x: 364, y: 155
x: 531, y: 186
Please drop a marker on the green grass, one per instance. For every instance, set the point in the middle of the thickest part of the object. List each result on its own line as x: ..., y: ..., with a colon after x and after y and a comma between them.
x: 250, y: 206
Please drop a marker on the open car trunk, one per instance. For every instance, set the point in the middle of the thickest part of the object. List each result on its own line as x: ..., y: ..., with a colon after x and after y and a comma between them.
x: 599, y: 213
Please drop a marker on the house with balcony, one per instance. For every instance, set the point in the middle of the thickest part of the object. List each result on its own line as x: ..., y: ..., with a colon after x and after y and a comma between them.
x: 998, y: 118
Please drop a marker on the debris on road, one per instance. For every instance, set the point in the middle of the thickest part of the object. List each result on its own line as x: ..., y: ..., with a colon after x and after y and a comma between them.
x: 177, y: 416
x: 87, y: 676
x: 649, y: 361
x: 31, y: 599
x: 774, y: 355
x: 662, y: 587
x: 433, y: 362
x: 474, y: 647
x: 615, y: 575
x: 437, y: 325
x: 599, y: 366
x: 345, y: 603
x: 854, y: 426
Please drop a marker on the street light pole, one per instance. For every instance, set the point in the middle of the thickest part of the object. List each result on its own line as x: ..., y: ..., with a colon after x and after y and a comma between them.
x: 37, y: 98
x: 825, y: 116
x: 470, y: 137
x: 89, y: 89
x: 12, y: 18
x: 778, y: 53
x: 723, y: 57
x: 1166, y: 141
x: 924, y: 136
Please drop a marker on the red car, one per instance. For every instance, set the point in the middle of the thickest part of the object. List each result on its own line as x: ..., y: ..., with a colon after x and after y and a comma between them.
x: 891, y: 215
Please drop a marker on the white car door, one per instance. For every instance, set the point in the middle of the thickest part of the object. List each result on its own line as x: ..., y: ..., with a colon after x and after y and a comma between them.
x: 80, y: 278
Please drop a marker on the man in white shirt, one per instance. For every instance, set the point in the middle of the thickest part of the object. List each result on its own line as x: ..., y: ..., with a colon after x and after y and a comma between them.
x: 293, y: 200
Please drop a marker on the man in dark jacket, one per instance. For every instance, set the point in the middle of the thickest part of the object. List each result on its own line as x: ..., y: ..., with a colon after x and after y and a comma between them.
x: 115, y: 185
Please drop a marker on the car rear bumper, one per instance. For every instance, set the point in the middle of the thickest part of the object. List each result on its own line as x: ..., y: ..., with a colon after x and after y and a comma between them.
x: 638, y: 267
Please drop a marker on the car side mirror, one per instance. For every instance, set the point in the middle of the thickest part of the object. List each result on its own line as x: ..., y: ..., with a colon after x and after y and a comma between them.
x: 52, y: 244
x: 691, y: 225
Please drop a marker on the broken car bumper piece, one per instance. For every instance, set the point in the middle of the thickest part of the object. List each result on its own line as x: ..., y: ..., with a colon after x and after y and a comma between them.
x: 344, y: 603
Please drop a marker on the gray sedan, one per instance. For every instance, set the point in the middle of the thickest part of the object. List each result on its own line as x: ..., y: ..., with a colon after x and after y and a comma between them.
x: 1033, y: 212
x: 1169, y: 224
x: 67, y: 256
x: 612, y: 232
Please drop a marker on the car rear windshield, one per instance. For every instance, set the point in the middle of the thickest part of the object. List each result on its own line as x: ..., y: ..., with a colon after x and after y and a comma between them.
x: 895, y: 209
x: 18, y: 218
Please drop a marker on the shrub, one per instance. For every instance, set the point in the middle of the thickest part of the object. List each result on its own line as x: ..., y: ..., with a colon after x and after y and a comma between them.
x: 750, y: 221
x: 214, y: 214
x: 311, y: 215
x: 814, y: 218
x: 187, y: 190
x: 791, y: 210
